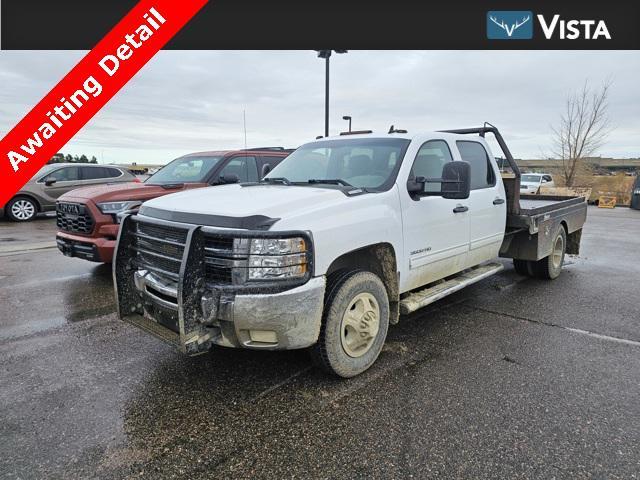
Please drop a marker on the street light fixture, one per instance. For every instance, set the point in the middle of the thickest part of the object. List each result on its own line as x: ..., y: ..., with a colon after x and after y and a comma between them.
x: 347, y: 117
x: 326, y: 54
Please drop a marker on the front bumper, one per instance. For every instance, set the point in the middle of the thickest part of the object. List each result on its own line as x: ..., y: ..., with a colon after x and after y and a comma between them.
x: 280, y: 321
x: 194, y: 315
x: 92, y: 249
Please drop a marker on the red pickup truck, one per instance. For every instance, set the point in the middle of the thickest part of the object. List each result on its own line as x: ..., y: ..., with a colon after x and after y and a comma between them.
x: 88, y: 218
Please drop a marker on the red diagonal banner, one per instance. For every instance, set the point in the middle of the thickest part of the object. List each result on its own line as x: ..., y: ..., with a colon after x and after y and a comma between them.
x: 88, y: 87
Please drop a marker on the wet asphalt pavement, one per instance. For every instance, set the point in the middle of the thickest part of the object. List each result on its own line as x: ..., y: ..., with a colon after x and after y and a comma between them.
x: 510, y: 378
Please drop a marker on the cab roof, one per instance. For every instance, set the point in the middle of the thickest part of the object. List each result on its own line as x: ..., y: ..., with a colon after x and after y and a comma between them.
x: 417, y: 136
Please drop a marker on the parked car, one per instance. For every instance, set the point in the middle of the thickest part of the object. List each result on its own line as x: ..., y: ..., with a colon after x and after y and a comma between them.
x: 41, y: 192
x: 332, y: 246
x: 530, y: 183
x: 88, y: 218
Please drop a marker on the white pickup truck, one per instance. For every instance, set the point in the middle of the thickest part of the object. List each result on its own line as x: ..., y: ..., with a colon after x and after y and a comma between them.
x: 338, y: 241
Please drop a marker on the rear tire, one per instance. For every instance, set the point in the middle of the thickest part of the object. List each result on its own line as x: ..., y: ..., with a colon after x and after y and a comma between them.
x: 550, y: 267
x: 21, y: 209
x: 521, y: 267
x: 354, y: 324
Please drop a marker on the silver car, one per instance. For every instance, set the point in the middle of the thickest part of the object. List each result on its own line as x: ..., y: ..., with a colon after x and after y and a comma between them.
x: 41, y: 192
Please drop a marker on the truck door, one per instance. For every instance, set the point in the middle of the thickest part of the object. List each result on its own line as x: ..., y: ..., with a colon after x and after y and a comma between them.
x: 436, y: 230
x: 487, y: 203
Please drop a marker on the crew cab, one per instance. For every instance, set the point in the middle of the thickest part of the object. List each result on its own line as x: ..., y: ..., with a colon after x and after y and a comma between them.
x: 333, y: 245
x: 88, y: 218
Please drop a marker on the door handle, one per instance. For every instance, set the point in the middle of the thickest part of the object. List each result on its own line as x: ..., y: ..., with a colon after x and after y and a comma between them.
x: 460, y: 209
x: 498, y: 201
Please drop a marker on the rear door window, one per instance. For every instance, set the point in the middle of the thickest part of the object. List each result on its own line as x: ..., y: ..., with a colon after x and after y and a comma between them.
x: 93, y: 173
x: 482, y: 174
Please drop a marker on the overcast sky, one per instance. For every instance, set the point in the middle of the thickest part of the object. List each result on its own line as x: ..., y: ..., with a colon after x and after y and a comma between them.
x: 183, y: 102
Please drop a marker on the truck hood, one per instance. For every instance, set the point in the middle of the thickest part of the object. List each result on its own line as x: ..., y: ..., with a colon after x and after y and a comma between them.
x: 529, y: 184
x: 275, y: 201
x: 116, y: 192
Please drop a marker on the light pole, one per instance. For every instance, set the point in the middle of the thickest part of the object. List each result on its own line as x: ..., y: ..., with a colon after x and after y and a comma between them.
x: 326, y: 54
x: 347, y: 117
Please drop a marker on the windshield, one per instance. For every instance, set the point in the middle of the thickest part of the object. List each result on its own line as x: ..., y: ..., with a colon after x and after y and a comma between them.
x: 184, y: 170
x: 370, y: 163
x: 530, y: 178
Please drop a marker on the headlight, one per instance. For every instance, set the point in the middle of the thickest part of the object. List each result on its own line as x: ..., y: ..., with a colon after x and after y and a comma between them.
x: 277, y: 258
x: 111, y: 208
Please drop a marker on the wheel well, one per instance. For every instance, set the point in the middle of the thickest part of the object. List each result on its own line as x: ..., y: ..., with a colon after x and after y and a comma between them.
x: 379, y: 259
x: 24, y: 195
x: 564, y: 225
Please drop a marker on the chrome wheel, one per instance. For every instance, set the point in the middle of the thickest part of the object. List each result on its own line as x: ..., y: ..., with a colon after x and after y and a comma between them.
x: 558, y: 251
x: 23, y: 209
x: 360, y: 325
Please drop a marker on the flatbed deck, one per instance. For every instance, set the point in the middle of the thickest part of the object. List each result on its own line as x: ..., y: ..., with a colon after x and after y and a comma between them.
x: 537, y: 204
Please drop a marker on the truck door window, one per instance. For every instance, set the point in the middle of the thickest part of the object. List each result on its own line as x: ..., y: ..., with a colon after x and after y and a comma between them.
x: 429, y: 161
x: 245, y: 168
x: 482, y: 174
x: 267, y: 164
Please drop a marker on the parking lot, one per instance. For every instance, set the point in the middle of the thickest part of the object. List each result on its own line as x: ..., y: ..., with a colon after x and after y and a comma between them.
x: 510, y: 378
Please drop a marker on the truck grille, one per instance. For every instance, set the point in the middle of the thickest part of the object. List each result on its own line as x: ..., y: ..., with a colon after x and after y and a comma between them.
x: 159, y: 248
x: 221, y: 257
x: 74, y: 218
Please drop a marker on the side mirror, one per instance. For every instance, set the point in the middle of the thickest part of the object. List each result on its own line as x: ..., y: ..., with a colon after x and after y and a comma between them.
x: 49, y: 181
x: 416, y: 186
x: 456, y: 180
x: 229, y: 178
x: 266, y: 168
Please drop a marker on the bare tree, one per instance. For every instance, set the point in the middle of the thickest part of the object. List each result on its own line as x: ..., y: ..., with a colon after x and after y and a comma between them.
x: 583, y: 129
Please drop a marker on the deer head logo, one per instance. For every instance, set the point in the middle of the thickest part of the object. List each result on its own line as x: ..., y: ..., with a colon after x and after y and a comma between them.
x: 510, y: 28
x: 509, y: 25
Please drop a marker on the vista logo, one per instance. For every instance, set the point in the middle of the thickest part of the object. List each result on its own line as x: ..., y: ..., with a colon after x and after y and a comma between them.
x: 515, y: 25
x: 518, y: 25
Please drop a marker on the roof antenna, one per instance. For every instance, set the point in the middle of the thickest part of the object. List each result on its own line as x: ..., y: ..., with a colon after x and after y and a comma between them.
x: 244, y: 121
x: 391, y: 130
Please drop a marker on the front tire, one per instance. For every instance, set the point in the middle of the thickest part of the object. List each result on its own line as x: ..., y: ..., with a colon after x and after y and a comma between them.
x: 354, y: 325
x: 21, y: 209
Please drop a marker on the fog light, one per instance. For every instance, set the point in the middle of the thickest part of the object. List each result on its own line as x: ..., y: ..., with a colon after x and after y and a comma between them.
x: 263, y: 336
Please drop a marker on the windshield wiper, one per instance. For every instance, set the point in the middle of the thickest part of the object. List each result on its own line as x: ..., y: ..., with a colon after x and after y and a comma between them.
x: 331, y: 181
x: 283, y: 180
x: 170, y: 186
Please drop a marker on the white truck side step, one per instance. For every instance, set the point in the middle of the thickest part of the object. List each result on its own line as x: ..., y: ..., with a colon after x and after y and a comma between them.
x: 428, y: 295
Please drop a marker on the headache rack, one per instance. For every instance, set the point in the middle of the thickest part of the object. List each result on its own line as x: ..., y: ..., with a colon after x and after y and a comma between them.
x: 511, y: 182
